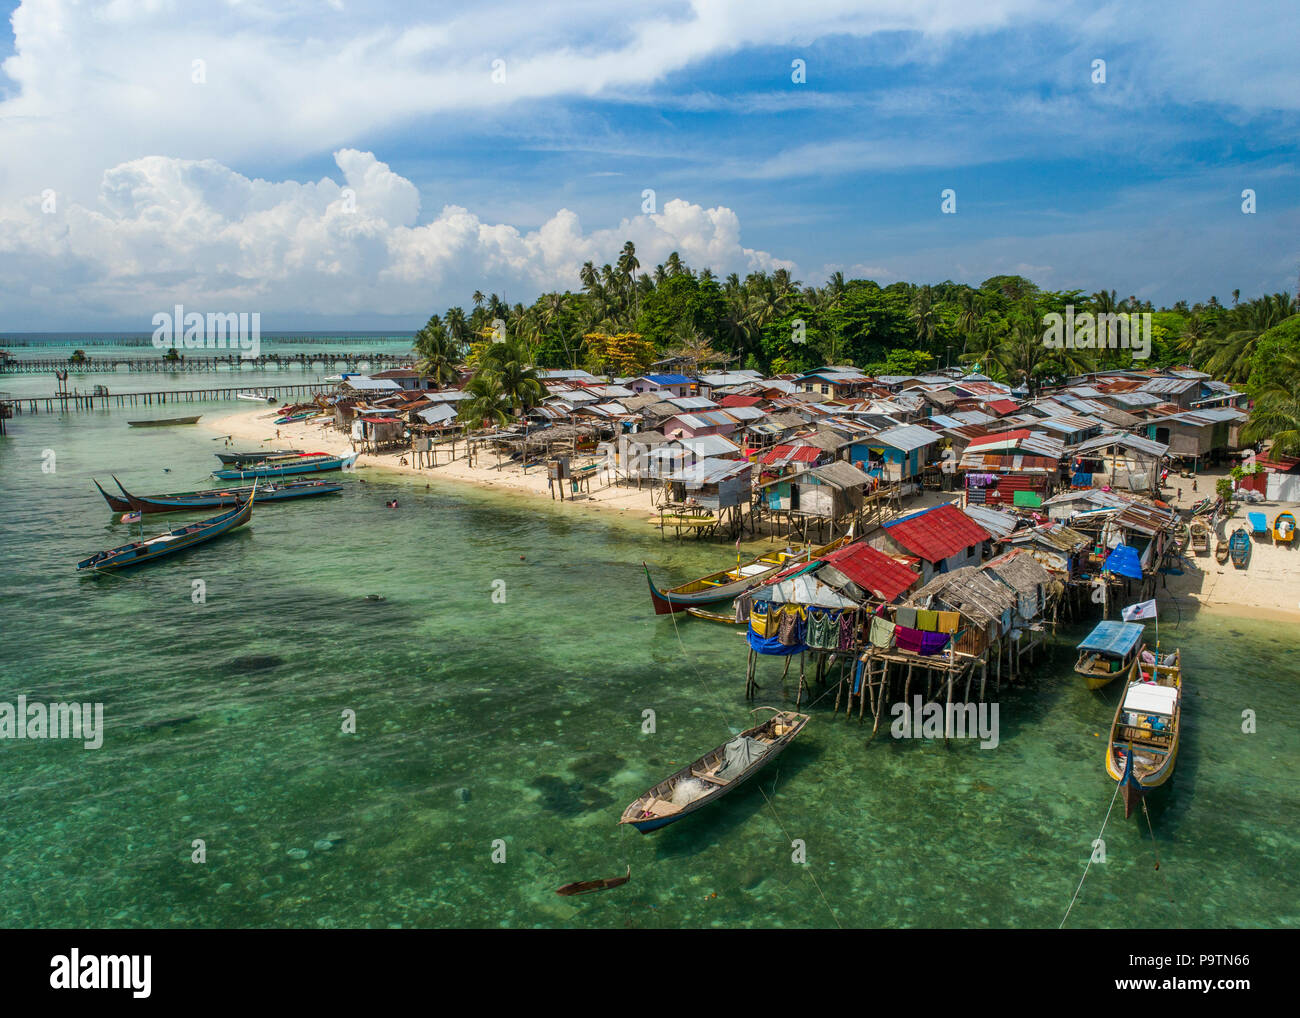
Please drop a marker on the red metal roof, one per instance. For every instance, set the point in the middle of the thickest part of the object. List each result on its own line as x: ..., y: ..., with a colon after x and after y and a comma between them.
x: 1003, y: 406
x: 1001, y: 436
x: 937, y: 533
x: 793, y: 453
x: 735, y: 400
x: 872, y: 570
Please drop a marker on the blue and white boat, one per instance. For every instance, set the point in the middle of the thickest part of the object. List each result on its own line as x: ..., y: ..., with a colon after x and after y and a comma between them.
x: 716, y: 773
x: 310, y: 464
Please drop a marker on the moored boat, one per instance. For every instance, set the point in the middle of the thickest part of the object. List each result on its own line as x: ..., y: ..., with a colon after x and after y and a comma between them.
x: 312, y: 463
x: 255, y: 397
x: 118, y: 505
x: 717, y: 772
x: 703, y: 613
x: 1200, y: 531
x: 1239, y: 548
x: 257, y: 456
x: 213, y: 498
x: 139, y: 552
x: 727, y: 584
x: 1112, y: 649
x: 1143, y: 744
x: 164, y: 422
x: 1221, y: 550
x: 1284, y: 528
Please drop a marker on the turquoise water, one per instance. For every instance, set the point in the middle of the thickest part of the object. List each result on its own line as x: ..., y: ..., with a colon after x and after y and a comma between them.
x: 520, y: 723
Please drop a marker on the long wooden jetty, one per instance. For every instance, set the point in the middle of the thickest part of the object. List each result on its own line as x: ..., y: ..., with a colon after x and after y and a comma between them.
x: 375, y: 361
x: 66, y: 402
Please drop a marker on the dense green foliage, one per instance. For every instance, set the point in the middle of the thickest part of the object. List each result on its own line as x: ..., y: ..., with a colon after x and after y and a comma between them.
x: 772, y: 322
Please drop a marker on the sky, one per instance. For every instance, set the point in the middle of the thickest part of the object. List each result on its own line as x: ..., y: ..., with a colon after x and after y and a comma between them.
x: 334, y: 164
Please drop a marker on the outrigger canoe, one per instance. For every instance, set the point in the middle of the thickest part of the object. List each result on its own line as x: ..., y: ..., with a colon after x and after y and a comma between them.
x: 1143, y: 743
x: 716, y: 773
x: 1112, y: 649
x: 140, y: 552
x: 235, y: 459
x: 215, y: 498
x: 727, y: 584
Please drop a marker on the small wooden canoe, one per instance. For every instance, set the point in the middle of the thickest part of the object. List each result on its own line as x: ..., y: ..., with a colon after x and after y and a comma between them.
x: 1221, y: 550
x: 1143, y: 744
x: 1284, y: 528
x: 727, y: 618
x: 140, y: 552
x: 1200, y: 531
x: 717, y: 772
x: 164, y: 422
x: 1239, y: 548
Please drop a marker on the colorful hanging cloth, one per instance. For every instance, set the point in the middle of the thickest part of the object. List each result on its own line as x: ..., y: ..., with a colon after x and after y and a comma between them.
x: 905, y: 617
x: 927, y: 621
x: 848, y: 626
x: 949, y: 622
x: 882, y: 633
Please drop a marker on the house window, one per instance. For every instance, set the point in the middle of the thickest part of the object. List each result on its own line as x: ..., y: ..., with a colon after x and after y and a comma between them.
x: 826, y: 390
x: 970, y: 551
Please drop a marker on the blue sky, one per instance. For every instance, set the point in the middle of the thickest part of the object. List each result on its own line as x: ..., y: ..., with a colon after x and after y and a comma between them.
x: 227, y: 193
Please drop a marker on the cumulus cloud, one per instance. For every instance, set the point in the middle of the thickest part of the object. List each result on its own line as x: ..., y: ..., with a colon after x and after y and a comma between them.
x: 167, y: 230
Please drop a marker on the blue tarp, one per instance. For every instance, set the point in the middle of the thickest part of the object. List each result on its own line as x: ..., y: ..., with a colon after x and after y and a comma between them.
x: 1258, y: 522
x: 773, y: 645
x: 1114, y: 638
x: 1124, y: 561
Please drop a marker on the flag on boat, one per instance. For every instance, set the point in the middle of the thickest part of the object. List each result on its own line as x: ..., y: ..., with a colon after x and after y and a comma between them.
x: 130, y: 517
x: 1137, y: 612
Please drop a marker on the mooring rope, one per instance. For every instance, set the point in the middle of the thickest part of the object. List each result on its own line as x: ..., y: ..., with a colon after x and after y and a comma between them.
x: 776, y: 816
x: 1090, y: 854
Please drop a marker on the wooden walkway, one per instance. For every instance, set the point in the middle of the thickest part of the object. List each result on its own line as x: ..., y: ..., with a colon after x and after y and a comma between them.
x: 74, y: 401
x: 199, y: 363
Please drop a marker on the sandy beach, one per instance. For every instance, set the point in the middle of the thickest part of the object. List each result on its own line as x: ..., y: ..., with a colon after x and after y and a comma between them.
x: 256, y: 429
x: 1269, y: 588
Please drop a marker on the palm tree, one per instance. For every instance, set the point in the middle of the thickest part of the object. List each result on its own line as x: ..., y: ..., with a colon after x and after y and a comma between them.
x: 487, y: 403
x: 436, y: 353
x: 457, y: 327
x: 1276, y: 412
x: 924, y: 316
x: 509, y: 366
x: 1228, y: 354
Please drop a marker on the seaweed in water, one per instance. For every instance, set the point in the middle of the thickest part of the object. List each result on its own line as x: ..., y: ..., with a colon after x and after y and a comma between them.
x: 254, y: 663
x: 569, y: 798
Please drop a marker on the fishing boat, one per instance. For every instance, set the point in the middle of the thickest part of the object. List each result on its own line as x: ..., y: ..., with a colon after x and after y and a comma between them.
x: 1200, y: 531
x: 1112, y: 649
x: 311, y: 464
x: 1182, y: 538
x: 164, y: 422
x: 1143, y: 744
x: 726, y: 584
x: 1284, y: 528
x: 235, y: 459
x: 140, y: 552
x: 294, y: 418
x: 118, y: 505
x: 716, y: 773
x: 1239, y: 548
x: 1221, y: 550
x: 213, y: 498
x: 255, y: 397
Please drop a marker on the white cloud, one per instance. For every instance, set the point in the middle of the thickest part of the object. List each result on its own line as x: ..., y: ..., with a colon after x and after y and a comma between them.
x: 168, y: 230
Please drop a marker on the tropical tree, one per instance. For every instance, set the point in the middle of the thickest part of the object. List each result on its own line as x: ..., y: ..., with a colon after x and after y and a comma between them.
x: 508, y: 365
x: 1276, y: 413
x: 487, y: 403
x: 436, y: 353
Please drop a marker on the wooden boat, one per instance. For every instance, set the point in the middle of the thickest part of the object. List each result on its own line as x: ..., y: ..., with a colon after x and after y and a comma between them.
x: 682, y: 520
x: 1284, y: 528
x: 719, y: 771
x: 164, y: 422
x: 727, y: 584
x: 1221, y: 550
x: 118, y: 505
x: 311, y: 464
x: 1182, y: 538
x: 255, y: 397
x: 1200, y: 531
x: 294, y: 418
x: 1143, y: 744
x: 1239, y: 548
x: 1112, y: 649
x: 703, y: 613
x: 139, y: 552
x: 235, y: 459
x: 214, y: 498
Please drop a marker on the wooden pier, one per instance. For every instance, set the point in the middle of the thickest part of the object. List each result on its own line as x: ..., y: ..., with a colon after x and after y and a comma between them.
x: 85, y: 401
x: 200, y: 363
